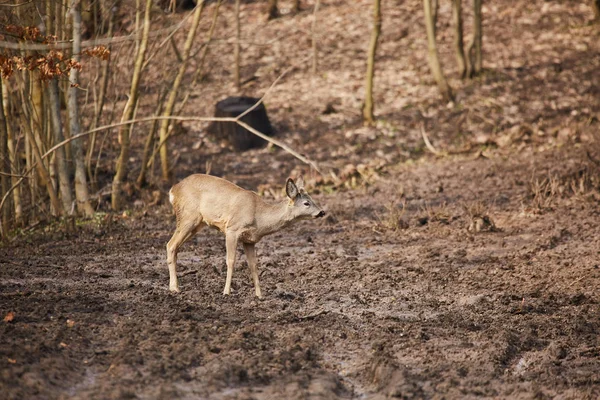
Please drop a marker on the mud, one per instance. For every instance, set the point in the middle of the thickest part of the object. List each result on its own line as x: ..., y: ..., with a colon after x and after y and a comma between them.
x: 352, y: 307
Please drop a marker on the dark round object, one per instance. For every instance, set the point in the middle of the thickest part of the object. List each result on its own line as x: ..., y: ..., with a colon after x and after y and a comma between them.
x: 239, y: 137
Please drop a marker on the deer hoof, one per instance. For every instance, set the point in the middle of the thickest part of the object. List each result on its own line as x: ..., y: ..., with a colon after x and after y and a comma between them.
x: 174, y: 289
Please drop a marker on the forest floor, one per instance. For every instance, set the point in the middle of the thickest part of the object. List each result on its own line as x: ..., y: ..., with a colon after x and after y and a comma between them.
x: 473, y: 274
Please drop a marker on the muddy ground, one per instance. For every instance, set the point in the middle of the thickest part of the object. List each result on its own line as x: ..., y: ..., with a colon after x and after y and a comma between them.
x: 356, y: 306
x: 473, y: 274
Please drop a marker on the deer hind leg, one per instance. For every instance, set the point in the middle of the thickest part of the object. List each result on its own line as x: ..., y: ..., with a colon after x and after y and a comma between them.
x: 250, y: 250
x: 231, y: 244
x: 185, y: 230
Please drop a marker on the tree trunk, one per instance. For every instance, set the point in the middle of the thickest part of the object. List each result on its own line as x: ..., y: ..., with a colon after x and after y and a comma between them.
x: 105, y: 69
x: 199, y: 68
x: 169, y: 106
x: 37, y: 111
x: 368, y: 116
x: 434, y: 62
x: 82, y: 195
x: 42, y: 171
x: 12, y: 153
x: 296, y: 6
x: 474, y: 50
x: 5, y: 168
x: 272, y: 10
x: 121, y: 167
x: 236, y: 50
x: 314, y: 38
x: 62, y: 168
x: 458, y: 38
x: 596, y: 9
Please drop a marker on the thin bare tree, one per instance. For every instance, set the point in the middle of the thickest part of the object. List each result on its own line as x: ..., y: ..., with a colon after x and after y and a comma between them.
x: 434, y: 61
x: 99, y: 103
x: 474, y: 57
x: 5, y: 171
x: 368, y: 107
x: 128, y: 112
x: 82, y: 195
x: 12, y: 153
x: 62, y: 168
x: 458, y: 38
x: 170, y: 104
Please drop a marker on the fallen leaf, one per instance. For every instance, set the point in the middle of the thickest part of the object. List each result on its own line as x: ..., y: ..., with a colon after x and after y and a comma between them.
x: 12, y: 360
x: 62, y: 344
x: 70, y: 323
x: 9, y: 317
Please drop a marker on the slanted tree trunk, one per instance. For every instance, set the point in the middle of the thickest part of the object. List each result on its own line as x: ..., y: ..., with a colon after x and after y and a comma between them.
x: 170, y: 105
x: 236, y: 50
x: 199, y: 68
x: 434, y: 61
x: 458, y: 38
x: 314, y: 38
x: 82, y: 195
x: 121, y: 167
x: 474, y: 51
x: 62, y: 168
x: 368, y: 116
x: 272, y: 10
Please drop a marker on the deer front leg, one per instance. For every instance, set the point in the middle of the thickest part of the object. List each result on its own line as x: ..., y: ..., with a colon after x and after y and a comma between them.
x: 250, y: 250
x: 231, y: 245
x: 181, y: 235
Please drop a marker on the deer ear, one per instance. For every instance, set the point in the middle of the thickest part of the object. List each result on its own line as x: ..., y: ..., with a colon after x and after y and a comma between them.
x: 291, y: 189
x: 300, y: 183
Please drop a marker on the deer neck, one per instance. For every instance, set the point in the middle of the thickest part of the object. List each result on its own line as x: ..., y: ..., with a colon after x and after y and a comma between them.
x: 273, y: 217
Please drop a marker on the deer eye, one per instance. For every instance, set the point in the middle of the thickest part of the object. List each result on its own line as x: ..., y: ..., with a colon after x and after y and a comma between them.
x: 306, y: 203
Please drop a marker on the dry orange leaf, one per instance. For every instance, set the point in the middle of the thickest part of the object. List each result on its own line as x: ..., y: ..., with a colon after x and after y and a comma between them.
x: 70, y: 323
x: 9, y: 317
x: 12, y: 360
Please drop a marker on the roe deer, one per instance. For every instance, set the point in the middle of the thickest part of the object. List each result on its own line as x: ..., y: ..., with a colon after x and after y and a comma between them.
x: 240, y: 214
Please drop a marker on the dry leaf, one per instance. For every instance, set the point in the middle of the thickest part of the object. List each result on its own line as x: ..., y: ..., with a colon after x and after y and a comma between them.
x: 70, y: 323
x: 9, y: 317
x: 63, y: 345
x: 12, y: 360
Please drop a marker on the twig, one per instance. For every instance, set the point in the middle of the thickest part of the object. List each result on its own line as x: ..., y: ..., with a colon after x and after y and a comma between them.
x: 313, y: 315
x: 428, y: 143
x: 14, y: 175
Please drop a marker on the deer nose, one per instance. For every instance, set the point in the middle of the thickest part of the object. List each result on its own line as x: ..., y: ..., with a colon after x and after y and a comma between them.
x: 321, y: 214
